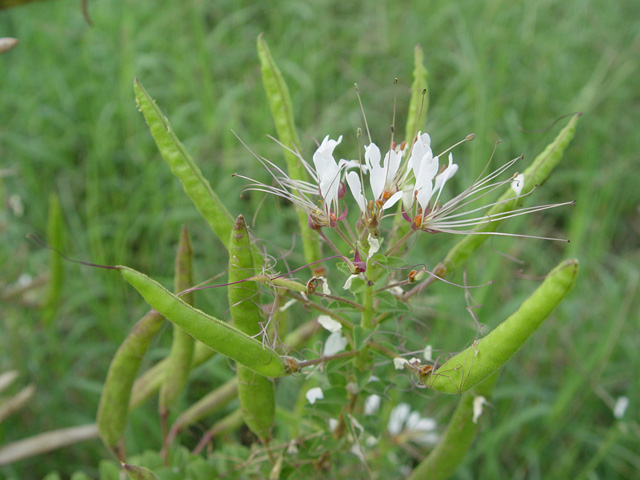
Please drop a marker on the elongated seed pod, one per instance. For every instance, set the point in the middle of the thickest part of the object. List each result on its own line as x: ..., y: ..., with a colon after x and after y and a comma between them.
x: 214, y: 333
x: 282, y: 112
x: 182, y: 165
x: 483, y: 358
x: 149, y: 382
x: 255, y: 392
x: 114, y: 401
x: 419, y: 103
x: 183, y: 345
x: 215, y: 400
x: 535, y: 175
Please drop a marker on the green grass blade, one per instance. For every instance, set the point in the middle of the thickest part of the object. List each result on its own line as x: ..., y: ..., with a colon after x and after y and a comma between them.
x: 56, y: 272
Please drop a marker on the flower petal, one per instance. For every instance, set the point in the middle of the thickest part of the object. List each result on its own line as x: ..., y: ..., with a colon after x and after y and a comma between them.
x: 335, y: 343
x: 353, y: 180
x: 329, y: 323
x: 314, y: 394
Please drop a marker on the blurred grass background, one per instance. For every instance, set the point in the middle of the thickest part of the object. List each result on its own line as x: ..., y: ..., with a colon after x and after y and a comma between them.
x: 68, y: 125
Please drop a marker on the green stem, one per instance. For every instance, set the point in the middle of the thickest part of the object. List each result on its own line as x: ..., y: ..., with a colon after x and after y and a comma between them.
x: 367, y: 312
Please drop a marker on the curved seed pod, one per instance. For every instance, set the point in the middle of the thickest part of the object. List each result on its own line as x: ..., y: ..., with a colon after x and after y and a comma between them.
x: 182, y: 165
x: 255, y: 392
x: 138, y: 473
x: 282, y: 112
x: 114, y: 401
x: 149, y: 382
x: 214, y: 333
x: 483, y: 358
x: 182, y: 347
x: 537, y: 173
x: 443, y: 460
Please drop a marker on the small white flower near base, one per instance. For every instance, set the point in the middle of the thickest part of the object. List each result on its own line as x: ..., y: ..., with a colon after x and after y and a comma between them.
x: 478, y: 406
x: 372, y: 404
x: 314, y: 394
x: 329, y: 323
x: 399, y: 363
x: 334, y: 344
x: 517, y: 184
x: 621, y: 406
x: 412, y: 426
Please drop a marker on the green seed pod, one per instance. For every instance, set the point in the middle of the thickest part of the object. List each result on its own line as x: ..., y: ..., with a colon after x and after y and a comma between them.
x: 182, y: 165
x: 182, y: 347
x: 419, y: 103
x: 255, y: 392
x: 214, y: 333
x: 222, y: 395
x: 483, y: 358
x: 138, y: 473
x: 537, y: 173
x: 114, y: 402
x: 282, y: 112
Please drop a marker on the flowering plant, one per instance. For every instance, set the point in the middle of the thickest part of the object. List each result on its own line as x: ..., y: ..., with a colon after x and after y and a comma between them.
x: 361, y: 215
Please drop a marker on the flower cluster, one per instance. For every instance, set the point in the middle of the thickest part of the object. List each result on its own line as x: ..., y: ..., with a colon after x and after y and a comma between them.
x: 409, y: 177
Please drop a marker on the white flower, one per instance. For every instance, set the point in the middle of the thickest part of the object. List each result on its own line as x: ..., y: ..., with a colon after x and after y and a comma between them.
x: 478, y: 404
x: 328, y: 173
x: 372, y: 404
x: 621, y: 407
x: 326, y: 176
x: 412, y: 425
x: 347, y: 284
x: 427, y: 353
x: 399, y: 363
x: 329, y: 323
x: 374, y: 245
x: 335, y: 343
x: 397, y: 418
x: 314, y: 394
x: 517, y: 184
x: 430, y: 215
x: 333, y: 424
